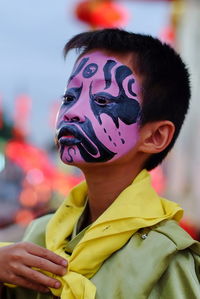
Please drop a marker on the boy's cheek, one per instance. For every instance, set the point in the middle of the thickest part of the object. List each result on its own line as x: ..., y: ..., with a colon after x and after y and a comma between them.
x: 112, y: 136
x: 59, y: 118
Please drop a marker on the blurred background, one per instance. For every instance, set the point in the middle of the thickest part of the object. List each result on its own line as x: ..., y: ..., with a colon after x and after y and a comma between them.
x: 33, y: 76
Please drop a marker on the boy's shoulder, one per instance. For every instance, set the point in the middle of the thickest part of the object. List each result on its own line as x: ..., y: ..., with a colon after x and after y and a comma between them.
x: 174, y: 233
x: 164, y: 241
x: 181, y: 278
x: 147, y: 260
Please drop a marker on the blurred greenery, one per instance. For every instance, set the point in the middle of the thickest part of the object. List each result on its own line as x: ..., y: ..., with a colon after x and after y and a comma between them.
x: 6, y: 129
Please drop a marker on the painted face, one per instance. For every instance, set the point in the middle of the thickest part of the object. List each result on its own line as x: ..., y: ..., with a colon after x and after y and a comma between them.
x: 97, y: 121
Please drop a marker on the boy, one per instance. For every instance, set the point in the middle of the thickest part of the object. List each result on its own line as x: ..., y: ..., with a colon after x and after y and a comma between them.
x: 122, y: 111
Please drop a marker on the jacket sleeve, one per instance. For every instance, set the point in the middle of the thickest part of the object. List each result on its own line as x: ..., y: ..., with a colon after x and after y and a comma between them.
x: 181, y: 280
x: 35, y: 233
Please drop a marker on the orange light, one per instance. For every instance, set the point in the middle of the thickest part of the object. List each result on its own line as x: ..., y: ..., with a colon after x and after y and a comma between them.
x: 24, y: 217
x: 101, y: 14
x: 28, y: 197
x: 43, y: 192
x: 61, y: 185
x: 168, y: 35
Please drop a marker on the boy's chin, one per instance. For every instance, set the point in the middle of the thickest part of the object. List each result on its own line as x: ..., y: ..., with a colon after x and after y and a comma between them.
x: 70, y: 156
x: 73, y: 162
x: 82, y: 164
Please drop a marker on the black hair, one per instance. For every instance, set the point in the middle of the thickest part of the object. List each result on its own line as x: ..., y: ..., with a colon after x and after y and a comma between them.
x: 165, y: 78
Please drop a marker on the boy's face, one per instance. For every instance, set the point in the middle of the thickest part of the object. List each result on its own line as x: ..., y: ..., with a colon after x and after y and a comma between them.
x: 97, y: 121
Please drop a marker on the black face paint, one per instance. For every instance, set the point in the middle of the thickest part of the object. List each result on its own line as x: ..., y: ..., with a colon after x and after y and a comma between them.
x: 86, y: 143
x: 120, y: 74
x: 78, y: 69
x: 107, y: 72
x: 130, y: 84
x: 105, y: 153
x: 90, y: 70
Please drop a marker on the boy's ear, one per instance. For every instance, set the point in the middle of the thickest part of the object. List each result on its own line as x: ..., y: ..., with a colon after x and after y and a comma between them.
x: 156, y: 136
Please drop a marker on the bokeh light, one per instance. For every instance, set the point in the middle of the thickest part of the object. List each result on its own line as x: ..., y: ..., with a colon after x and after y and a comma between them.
x: 34, y: 176
x: 24, y: 217
x: 28, y: 197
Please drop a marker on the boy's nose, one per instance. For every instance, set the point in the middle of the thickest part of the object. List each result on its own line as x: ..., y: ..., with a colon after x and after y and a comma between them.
x: 73, y: 115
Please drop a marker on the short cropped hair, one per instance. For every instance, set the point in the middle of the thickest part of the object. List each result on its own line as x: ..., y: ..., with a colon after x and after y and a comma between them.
x: 165, y: 78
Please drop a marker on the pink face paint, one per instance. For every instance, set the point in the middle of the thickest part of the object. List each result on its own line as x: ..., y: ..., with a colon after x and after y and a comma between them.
x: 97, y: 121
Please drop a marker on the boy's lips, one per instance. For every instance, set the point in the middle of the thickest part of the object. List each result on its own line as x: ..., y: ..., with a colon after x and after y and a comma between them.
x: 68, y: 136
x: 68, y: 141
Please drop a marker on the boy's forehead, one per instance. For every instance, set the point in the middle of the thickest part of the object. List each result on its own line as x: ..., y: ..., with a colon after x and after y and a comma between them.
x: 100, y: 56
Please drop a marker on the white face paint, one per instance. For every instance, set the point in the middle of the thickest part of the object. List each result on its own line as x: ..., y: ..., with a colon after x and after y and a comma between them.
x: 97, y: 121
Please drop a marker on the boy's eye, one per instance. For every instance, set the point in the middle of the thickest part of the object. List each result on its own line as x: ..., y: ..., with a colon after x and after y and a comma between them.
x: 68, y: 98
x: 101, y: 101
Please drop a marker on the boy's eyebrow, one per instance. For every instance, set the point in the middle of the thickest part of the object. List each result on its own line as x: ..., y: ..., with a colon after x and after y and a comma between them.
x: 74, y: 91
x: 103, y: 82
x: 75, y: 81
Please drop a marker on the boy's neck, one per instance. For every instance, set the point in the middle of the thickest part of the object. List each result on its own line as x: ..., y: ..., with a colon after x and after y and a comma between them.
x: 105, y: 184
